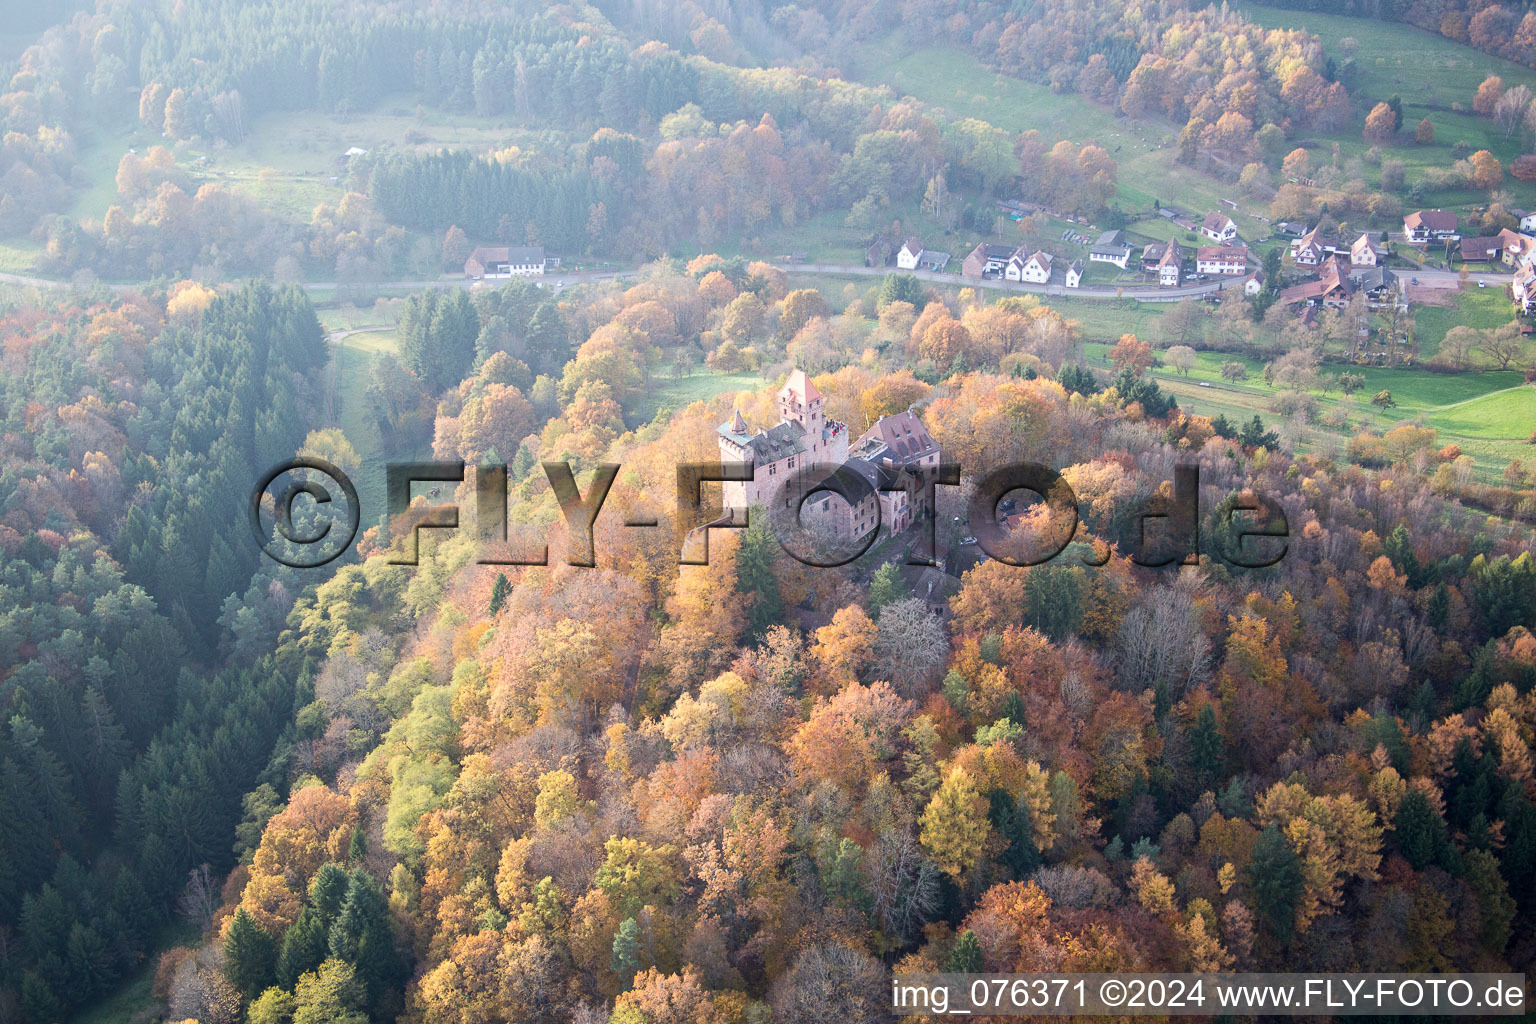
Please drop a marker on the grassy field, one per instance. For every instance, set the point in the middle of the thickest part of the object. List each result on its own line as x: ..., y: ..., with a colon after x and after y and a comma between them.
x: 679, y: 392
x: 1104, y: 320
x: 352, y: 356
x: 303, y: 151
x: 959, y: 84
x: 1502, y: 416
x: 347, y: 317
x: 19, y: 255
x: 825, y: 238
x: 293, y: 160
x: 1473, y: 307
x: 100, y: 154
x: 1489, y: 415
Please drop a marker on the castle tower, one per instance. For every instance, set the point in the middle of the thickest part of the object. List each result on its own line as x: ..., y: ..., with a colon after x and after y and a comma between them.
x: 736, y: 447
x: 800, y: 404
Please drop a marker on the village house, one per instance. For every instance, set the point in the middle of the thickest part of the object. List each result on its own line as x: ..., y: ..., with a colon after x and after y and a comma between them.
x: 1424, y: 226
x: 880, y: 252
x: 1524, y: 288
x: 1332, y: 289
x: 1171, y: 266
x: 1379, y: 286
x: 909, y: 254
x: 1312, y: 248
x: 1111, y: 248
x: 1218, y: 227
x: 1017, y: 209
x: 1254, y: 283
x: 1221, y: 259
x: 503, y: 261
x: 986, y: 260
x: 1528, y: 222
x: 1365, y: 252
x: 1075, y: 274
x: 1152, y: 256
x: 1036, y: 269
x: 1518, y: 249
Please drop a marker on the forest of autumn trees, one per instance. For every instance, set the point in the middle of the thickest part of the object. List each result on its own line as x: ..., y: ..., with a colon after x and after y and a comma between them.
x: 464, y: 792
x: 645, y: 793
x: 639, y: 792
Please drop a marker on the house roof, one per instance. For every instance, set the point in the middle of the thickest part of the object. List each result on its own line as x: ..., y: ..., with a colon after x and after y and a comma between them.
x: 1041, y: 257
x: 1076, y: 267
x: 1332, y: 273
x: 1216, y: 221
x: 993, y: 253
x: 1301, y: 292
x: 1317, y: 238
x: 1431, y: 220
x: 1172, y: 255
x: 1375, y: 278
x: 520, y: 254
x: 1482, y: 248
x: 1516, y: 243
x: 1332, y: 280
x: 1221, y: 252
x: 913, y: 246
x: 1111, y: 243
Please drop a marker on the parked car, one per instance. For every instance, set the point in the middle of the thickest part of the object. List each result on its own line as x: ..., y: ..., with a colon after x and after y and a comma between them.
x: 967, y: 540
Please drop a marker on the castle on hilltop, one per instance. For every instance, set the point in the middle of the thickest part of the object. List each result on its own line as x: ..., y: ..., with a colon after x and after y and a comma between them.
x: 896, y: 455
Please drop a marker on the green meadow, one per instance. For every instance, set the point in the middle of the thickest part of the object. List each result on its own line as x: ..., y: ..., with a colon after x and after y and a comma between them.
x: 680, y: 392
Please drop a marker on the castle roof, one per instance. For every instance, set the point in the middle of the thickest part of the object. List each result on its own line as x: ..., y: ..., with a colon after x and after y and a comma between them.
x: 800, y: 384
